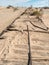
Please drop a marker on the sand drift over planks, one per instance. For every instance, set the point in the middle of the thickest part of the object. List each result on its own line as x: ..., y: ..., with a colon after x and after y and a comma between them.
x: 23, y: 30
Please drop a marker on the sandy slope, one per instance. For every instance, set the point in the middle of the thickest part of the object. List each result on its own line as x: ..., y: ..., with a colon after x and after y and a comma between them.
x: 46, y: 17
x: 8, y: 16
x: 14, y: 41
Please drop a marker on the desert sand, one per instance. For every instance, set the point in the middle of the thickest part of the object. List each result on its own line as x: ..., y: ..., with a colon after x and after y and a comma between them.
x: 21, y: 31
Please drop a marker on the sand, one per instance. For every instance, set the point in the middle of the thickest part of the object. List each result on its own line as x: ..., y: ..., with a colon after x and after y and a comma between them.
x: 7, y: 16
x: 14, y: 40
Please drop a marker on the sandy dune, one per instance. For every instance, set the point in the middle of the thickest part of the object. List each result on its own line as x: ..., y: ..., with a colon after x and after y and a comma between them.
x: 7, y: 17
x: 24, y: 32
x: 46, y: 17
